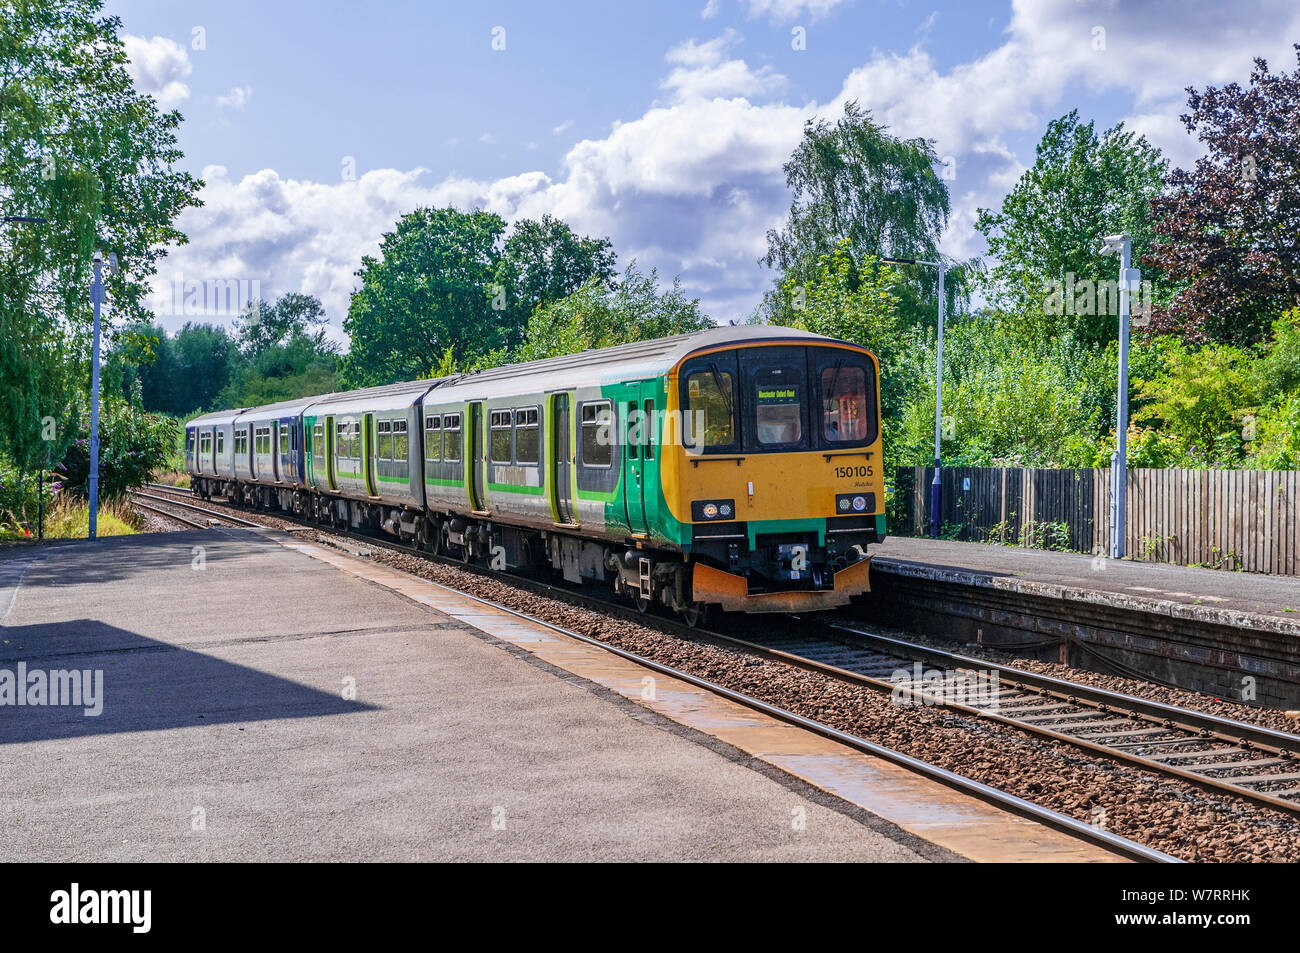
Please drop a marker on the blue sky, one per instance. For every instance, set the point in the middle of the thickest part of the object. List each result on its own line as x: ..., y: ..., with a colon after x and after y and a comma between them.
x: 662, y: 126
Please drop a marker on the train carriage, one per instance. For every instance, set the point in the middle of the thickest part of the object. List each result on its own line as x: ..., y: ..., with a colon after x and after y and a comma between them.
x: 364, y: 455
x: 210, y: 444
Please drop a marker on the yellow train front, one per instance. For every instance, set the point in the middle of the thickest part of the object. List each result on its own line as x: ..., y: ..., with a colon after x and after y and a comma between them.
x: 769, y: 469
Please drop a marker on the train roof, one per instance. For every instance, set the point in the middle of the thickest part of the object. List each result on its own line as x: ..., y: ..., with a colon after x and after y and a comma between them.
x: 215, y: 418
x: 385, y: 397
x: 636, y: 361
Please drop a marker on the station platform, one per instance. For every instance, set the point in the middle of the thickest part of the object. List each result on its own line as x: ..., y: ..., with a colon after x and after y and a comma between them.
x: 1212, y: 595
x: 1229, y: 634
x: 265, y: 699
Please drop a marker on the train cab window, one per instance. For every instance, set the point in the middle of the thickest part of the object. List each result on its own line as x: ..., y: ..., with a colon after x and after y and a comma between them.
x: 451, y: 438
x: 778, y: 405
x: 318, y: 441
x: 189, y: 441
x: 846, y: 411
x: 500, y: 425
x: 400, y: 446
x: 710, y: 405
x: 432, y: 439
x: 526, y: 435
x: 385, y: 429
x: 597, y: 442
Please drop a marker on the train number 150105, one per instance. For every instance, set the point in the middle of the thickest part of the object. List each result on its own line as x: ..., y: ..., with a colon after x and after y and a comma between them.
x: 844, y: 473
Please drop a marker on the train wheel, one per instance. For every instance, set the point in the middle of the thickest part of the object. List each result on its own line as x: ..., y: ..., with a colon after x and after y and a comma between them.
x: 641, y: 602
x: 695, y: 614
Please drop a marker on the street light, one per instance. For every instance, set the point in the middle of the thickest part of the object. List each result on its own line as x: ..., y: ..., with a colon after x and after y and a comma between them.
x: 1128, y: 278
x: 936, y: 485
x: 97, y: 298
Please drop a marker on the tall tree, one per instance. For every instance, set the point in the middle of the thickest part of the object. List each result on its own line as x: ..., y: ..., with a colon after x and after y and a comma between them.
x: 856, y: 186
x: 543, y: 262
x: 1228, y: 228
x: 80, y: 146
x: 430, y: 289
x: 1081, y: 187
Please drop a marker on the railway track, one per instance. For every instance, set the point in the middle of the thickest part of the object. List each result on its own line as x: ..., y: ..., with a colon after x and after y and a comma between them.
x: 1255, y: 763
x: 152, y: 506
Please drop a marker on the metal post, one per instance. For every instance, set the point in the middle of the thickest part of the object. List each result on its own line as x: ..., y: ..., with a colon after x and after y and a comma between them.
x: 936, y: 486
x: 40, y: 505
x: 1119, y: 466
x: 96, y: 298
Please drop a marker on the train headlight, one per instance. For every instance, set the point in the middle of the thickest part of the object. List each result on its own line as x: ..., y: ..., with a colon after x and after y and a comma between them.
x: 703, y: 510
x: 844, y: 504
x: 859, y: 503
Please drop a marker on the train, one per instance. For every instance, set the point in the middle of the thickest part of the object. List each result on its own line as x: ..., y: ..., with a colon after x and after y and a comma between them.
x: 737, y: 468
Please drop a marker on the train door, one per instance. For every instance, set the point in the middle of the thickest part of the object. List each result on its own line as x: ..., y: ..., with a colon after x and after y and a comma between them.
x: 562, y: 443
x: 650, y: 454
x: 476, y: 452
x: 277, y: 464
x: 633, y: 425
x: 368, y: 454
x: 331, y: 454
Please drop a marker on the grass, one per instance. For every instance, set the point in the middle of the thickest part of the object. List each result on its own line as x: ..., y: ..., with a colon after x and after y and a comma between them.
x: 172, y: 477
x: 70, y: 519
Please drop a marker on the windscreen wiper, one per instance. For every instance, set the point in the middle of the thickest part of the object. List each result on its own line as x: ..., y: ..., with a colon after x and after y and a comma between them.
x: 717, y: 382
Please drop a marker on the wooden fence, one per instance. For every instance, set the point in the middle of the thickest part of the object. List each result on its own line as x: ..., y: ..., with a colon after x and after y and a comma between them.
x: 1228, y: 519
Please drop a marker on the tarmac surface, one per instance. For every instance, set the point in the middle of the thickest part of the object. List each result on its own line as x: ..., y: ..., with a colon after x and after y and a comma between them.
x: 1251, y: 600
x: 258, y: 704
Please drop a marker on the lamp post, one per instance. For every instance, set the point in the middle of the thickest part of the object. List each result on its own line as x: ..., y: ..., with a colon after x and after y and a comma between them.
x: 936, y: 485
x: 1128, y: 277
x: 97, y: 297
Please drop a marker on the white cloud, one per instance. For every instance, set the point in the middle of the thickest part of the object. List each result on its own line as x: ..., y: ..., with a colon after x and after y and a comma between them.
x: 159, y: 67
x: 702, y: 73
x: 237, y: 98
x: 487, y: 138
x: 710, y: 10
x: 791, y: 9
x: 563, y: 127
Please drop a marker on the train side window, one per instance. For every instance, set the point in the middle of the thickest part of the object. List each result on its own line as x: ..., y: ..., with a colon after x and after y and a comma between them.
x: 433, y: 439
x: 500, y: 426
x: 451, y: 438
x: 189, y: 441
x: 221, y: 442
x: 526, y: 435
x: 341, y: 439
x: 400, y: 445
x: 318, y: 441
x: 354, y: 440
x: 710, y: 402
x: 385, y: 429
x: 597, y: 442
x: 284, y: 439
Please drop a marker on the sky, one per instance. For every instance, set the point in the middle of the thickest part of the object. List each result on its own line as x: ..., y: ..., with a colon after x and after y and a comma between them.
x: 662, y: 126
